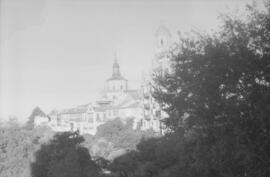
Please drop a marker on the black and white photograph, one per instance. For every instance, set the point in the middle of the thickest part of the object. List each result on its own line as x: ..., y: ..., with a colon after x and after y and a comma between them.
x: 134, y: 88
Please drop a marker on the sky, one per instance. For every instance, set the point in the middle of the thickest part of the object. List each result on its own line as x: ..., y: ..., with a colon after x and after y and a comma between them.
x: 58, y: 53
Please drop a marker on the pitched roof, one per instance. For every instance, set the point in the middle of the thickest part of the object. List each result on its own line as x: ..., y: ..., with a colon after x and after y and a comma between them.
x: 132, y: 100
x: 132, y: 105
x: 103, y: 108
x: 77, y: 110
x: 116, y: 77
x: 74, y: 111
x: 134, y: 94
x: 127, y: 103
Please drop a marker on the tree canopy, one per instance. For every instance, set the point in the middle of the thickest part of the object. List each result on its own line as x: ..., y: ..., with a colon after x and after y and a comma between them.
x: 217, y: 96
x: 115, y: 137
x: 63, y: 156
x: 30, y: 124
x: 17, y: 146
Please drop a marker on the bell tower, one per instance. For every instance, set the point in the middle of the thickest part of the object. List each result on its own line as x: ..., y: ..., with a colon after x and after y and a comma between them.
x: 116, y: 84
x: 116, y: 69
x: 163, y: 42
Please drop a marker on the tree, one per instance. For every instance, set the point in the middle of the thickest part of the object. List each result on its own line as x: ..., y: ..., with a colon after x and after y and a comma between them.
x: 63, y: 156
x: 217, y: 98
x: 218, y: 94
x: 153, y: 157
x: 30, y: 124
x: 121, y: 134
x: 17, y: 146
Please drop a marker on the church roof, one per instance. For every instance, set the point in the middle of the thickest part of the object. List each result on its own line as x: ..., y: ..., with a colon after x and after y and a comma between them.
x: 118, y: 77
x: 131, y: 104
x: 134, y: 94
x: 132, y: 100
x: 103, y: 108
x: 77, y: 110
x: 74, y: 111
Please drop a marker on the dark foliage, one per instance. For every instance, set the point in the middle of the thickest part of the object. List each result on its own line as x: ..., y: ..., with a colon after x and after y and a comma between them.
x: 217, y: 96
x: 17, y: 146
x: 63, y: 156
x: 31, y: 119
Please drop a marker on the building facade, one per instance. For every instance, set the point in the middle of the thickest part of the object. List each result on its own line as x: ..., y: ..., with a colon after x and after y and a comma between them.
x: 118, y: 101
x: 161, y: 64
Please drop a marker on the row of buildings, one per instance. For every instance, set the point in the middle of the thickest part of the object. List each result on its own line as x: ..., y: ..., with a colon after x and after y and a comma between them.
x: 118, y: 101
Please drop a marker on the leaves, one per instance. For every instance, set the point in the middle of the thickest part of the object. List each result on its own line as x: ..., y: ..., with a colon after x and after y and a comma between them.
x: 17, y: 146
x: 217, y: 97
x: 31, y: 120
x: 63, y: 156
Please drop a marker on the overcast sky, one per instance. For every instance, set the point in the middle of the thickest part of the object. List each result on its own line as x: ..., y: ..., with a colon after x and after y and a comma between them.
x: 58, y: 53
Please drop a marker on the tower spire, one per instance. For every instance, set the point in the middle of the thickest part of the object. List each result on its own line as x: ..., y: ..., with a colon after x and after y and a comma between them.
x: 115, y: 57
x: 116, y: 67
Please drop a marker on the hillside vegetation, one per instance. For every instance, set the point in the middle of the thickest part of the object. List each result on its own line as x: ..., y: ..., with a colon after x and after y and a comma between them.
x: 217, y: 96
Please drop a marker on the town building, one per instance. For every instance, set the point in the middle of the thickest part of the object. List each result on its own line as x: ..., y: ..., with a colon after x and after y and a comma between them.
x: 118, y: 101
x: 153, y: 114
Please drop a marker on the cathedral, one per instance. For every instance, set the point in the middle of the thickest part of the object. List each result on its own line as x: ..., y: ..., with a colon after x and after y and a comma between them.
x: 118, y: 101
